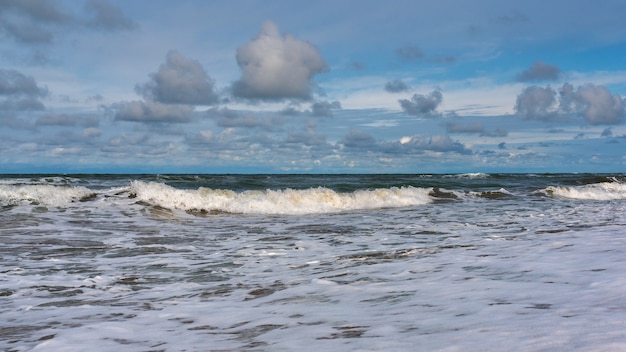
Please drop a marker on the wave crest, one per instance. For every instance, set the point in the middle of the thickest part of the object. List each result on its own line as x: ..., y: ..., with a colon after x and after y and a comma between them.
x: 596, y: 191
x: 287, y: 201
x: 42, y: 194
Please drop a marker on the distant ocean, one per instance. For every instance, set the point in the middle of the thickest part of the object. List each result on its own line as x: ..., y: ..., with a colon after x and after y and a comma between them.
x: 469, y: 262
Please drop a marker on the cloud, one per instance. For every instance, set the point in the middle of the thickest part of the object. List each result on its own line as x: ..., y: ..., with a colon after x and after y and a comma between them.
x: 107, y: 16
x: 536, y: 103
x: 396, y: 86
x: 596, y: 104
x: 67, y: 120
x: 419, y: 144
x: 539, y: 71
x: 422, y: 105
x: 179, y: 81
x: 310, y: 138
x: 357, y: 139
x: 148, y: 111
x: 35, y: 22
x: 21, y: 92
x: 324, y: 108
x: 276, y: 67
x: 599, y: 106
x: 409, y: 53
x: 473, y: 127
x: 231, y: 118
x: 14, y: 83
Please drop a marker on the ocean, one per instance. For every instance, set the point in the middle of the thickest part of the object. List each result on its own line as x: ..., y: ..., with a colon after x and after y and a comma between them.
x: 469, y: 262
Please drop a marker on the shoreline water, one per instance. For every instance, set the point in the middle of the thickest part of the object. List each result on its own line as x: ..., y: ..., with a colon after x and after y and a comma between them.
x: 475, y: 262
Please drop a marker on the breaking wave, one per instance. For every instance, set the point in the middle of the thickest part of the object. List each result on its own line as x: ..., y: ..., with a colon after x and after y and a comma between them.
x: 43, y: 194
x: 596, y: 191
x: 286, y: 201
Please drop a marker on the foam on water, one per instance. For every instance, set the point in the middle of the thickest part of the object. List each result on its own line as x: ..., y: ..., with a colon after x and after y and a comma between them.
x: 596, y: 191
x: 42, y: 194
x: 287, y: 201
x: 497, y: 266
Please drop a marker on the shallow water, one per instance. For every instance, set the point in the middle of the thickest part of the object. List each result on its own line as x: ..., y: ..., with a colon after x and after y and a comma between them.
x: 472, y: 263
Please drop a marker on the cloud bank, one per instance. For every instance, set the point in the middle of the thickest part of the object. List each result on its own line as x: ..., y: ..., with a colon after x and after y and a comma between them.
x: 596, y: 104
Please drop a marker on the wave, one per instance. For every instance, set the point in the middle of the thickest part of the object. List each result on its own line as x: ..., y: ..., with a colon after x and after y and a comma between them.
x: 43, y: 194
x: 470, y: 176
x: 286, y: 201
x: 596, y: 191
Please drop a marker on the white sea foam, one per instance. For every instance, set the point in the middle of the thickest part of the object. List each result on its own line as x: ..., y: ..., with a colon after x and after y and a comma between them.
x: 288, y: 201
x: 41, y: 194
x: 597, y: 191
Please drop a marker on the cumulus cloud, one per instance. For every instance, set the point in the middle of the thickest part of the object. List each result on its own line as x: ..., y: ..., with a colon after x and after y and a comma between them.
x: 179, y: 81
x: 21, y: 92
x: 599, y: 106
x: 596, y: 104
x: 149, y: 111
x: 536, y: 103
x: 276, y: 67
x: 396, y: 86
x: 422, y: 105
x: 324, y: 108
x: 539, y: 71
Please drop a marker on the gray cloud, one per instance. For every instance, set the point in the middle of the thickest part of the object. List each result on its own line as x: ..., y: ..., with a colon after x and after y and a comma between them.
x: 107, y: 16
x: 231, y: 118
x: 536, y: 103
x: 324, y: 108
x: 14, y: 83
x: 310, y: 138
x: 36, y: 22
x: 596, y: 104
x: 599, y: 106
x: 410, y: 53
x: 21, y: 92
x: 422, y: 105
x: 179, y: 81
x: 539, y: 71
x: 277, y: 67
x: 67, y: 120
x: 416, y: 144
x: 148, y: 111
x: 396, y: 86
x: 473, y: 127
x: 357, y: 139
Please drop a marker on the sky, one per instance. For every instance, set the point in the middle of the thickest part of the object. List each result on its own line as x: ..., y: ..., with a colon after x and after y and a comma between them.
x: 325, y: 86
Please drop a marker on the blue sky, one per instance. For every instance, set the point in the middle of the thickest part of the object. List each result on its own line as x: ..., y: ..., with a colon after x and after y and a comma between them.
x: 109, y: 86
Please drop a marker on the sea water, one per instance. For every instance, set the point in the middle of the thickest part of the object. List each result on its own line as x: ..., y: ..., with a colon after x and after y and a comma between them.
x: 471, y: 262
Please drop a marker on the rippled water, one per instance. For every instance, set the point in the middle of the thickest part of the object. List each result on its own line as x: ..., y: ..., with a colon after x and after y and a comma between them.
x: 484, y: 264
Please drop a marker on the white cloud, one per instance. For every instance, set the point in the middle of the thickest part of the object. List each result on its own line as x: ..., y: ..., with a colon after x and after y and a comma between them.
x: 277, y: 67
